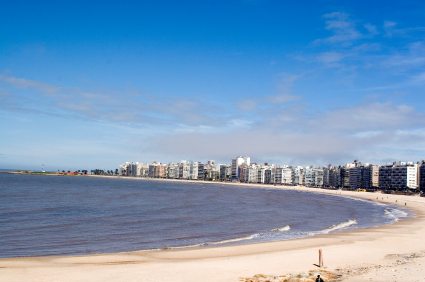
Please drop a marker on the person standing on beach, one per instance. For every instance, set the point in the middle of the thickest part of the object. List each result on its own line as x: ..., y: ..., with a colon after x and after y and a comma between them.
x: 318, y: 279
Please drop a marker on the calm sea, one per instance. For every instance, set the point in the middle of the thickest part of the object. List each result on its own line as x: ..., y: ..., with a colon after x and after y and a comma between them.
x: 58, y: 215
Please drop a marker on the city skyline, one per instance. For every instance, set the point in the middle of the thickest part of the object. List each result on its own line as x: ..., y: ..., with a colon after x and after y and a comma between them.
x: 92, y: 85
x: 354, y: 175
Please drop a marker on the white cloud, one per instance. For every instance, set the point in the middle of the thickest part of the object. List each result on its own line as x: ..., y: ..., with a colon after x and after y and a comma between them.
x: 391, y: 30
x: 302, y: 138
x: 410, y: 58
x: 123, y: 106
x: 343, y: 28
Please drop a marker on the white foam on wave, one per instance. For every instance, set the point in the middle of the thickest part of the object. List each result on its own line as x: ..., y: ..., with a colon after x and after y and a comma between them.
x: 235, y: 239
x: 395, y: 214
x: 218, y: 242
x: 250, y: 237
x: 285, y: 228
x: 338, y: 226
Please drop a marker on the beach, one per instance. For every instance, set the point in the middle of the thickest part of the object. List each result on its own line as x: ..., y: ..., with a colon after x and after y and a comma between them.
x: 387, y: 253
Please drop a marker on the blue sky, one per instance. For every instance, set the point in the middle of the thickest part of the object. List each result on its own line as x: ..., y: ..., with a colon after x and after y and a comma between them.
x: 93, y: 85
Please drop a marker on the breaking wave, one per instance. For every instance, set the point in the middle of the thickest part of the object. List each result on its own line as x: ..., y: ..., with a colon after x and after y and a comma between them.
x: 286, y: 228
x: 250, y: 237
x: 338, y: 226
x: 395, y: 214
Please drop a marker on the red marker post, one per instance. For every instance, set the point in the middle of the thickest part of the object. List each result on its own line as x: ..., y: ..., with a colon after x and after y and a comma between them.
x: 320, y: 258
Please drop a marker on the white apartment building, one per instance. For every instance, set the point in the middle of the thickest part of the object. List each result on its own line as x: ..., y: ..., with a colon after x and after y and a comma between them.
x: 194, y: 171
x: 318, y: 176
x: 288, y: 175
x: 309, y: 176
x: 236, y: 163
x: 250, y: 174
x: 172, y: 170
x: 269, y: 174
x: 142, y: 170
x: 299, y: 176
x: 278, y: 179
x: 184, y: 170
x: 261, y: 174
x: 284, y: 175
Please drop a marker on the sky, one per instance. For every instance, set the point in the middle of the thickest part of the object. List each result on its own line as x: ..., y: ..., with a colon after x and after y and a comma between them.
x: 94, y: 84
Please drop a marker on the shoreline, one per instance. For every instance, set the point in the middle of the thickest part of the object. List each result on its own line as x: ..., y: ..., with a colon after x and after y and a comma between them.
x: 367, y: 247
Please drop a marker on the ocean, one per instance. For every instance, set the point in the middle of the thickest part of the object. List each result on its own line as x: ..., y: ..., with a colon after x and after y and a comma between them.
x: 61, y: 215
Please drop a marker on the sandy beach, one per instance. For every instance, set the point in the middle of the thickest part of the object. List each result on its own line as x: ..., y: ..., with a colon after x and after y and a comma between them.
x: 387, y: 253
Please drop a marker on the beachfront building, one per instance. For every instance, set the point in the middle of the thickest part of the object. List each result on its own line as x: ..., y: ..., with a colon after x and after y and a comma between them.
x: 212, y: 175
x: 122, y: 170
x: 385, y: 173
x: 225, y: 172
x: 299, y: 176
x: 335, y: 176
x: 236, y: 167
x: 375, y: 176
x: 369, y: 176
x: 201, y: 173
x: 269, y: 174
x: 404, y: 175
x: 157, y: 170
x: 184, y: 170
x: 128, y: 169
x: 278, y: 176
x: 284, y: 175
x: 249, y: 173
x: 309, y: 176
x: 172, y: 170
x: 326, y: 176
x: 194, y: 171
x: 151, y: 172
x: 318, y: 177
x: 399, y: 175
x: 363, y: 176
x: 421, y: 175
x: 142, y: 170
x: 236, y: 164
x: 288, y: 175
x: 354, y: 174
x: 212, y: 171
x: 345, y: 176
x: 162, y: 171
x: 261, y: 174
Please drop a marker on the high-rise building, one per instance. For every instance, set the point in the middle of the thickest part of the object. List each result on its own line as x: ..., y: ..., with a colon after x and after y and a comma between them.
x: 225, y: 172
x: 236, y: 163
x: 385, y: 173
x: 421, y: 171
x: 404, y: 175
x: 201, y: 171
